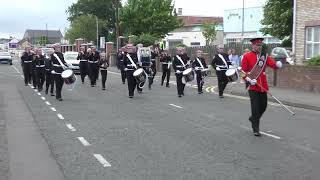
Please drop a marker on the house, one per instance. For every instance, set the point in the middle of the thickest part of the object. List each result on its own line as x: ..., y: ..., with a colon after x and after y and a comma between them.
x: 246, y: 21
x: 34, y: 36
x: 190, y: 33
x: 306, y: 30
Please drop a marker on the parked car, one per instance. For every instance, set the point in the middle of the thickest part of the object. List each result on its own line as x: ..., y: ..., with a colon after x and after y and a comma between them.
x: 282, y: 54
x: 46, y: 52
x: 5, y: 57
x: 71, y: 58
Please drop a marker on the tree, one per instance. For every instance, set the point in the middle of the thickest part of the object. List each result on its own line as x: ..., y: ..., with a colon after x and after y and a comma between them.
x: 278, y: 19
x: 154, y: 17
x: 209, y: 32
x: 145, y: 39
x: 103, y: 9
x: 84, y: 27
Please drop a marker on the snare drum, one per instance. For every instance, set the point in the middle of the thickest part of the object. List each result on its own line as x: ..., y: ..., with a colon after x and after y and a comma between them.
x: 140, y: 75
x: 188, y: 74
x: 68, y: 76
x: 232, y: 75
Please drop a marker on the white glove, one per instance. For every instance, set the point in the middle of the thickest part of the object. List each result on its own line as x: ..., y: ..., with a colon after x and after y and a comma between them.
x: 125, y: 69
x: 231, y: 67
x: 218, y: 69
x: 196, y: 68
x: 178, y: 71
x: 251, y: 81
x: 53, y: 72
x: 279, y: 64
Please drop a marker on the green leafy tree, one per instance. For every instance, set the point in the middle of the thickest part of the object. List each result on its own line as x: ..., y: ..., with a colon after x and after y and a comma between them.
x: 103, y: 9
x: 278, y: 19
x: 145, y: 39
x: 209, y: 32
x: 154, y: 17
x: 84, y: 27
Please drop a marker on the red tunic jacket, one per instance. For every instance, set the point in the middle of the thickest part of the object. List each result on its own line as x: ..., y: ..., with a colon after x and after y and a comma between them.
x: 249, y: 61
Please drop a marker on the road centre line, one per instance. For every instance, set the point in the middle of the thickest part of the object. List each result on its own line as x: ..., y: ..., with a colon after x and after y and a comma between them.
x: 102, y: 160
x: 83, y: 141
x: 60, y: 116
x: 53, y: 109
x: 43, y: 98
x: 264, y: 133
x: 69, y: 126
x: 47, y: 102
x: 39, y: 94
x: 14, y: 67
x: 175, y: 106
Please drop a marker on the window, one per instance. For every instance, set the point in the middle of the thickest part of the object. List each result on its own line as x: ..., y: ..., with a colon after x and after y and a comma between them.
x: 312, y: 42
x: 195, y: 43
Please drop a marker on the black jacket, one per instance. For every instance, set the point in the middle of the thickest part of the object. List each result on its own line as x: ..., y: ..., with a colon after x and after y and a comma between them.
x: 218, y: 62
x: 197, y: 65
x: 127, y: 63
x: 40, y: 61
x: 177, y: 65
x: 57, y: 67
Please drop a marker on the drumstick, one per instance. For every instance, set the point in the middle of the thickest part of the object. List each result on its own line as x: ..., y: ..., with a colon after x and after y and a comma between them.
x: 293, y: 113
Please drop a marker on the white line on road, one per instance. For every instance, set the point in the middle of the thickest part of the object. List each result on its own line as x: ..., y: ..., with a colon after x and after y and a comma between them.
x: 113, y: 73
x: 47, y: 102
x: 35, y: 90
x: 39, y: 94
x: 69, y: 126
x: 53, y: 109
x: 264, y: 133
x: 43, y: 98
x: 101, y: 159
x: 84, y: 141
x: 16, y: 69
x: 60, y: 116
x: 175, y: 106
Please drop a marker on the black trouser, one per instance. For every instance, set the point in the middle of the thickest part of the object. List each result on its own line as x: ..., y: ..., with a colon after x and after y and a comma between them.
x: 222, y: 81
x: 123, y: 76
x: 200, y: 81
x: 83, y: 69
x: 165, y: 73
x: 180, y: 85
x: 103, y: 77
x: 49, y: 81
x: 258, y: 106
x: 97, y: 72
x: 59, y: 83
x: 131, y: 82
x: 27, y: 70
x: 153, y: 73
x: 93, y: 70
x: 40, y: 74
x: 34, y: 76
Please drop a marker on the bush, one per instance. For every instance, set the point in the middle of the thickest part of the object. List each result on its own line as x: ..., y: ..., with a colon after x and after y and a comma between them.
x: 180, y: 45
x: 315, y: 61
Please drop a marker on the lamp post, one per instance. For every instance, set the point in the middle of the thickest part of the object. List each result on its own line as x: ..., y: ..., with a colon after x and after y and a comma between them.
x: 117, y: 24
x: 97, y: 22
x: 242, y: 32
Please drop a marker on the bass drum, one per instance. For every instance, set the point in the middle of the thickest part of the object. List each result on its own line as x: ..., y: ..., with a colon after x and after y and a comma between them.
x: 188, y: 74
x: 232, y: 75
x: 68, y: 76
x: 140, y: 75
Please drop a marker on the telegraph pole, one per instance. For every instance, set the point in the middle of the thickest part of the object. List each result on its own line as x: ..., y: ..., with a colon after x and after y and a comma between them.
x: 97, y: 22
x: 242, y: 32
x: 117, y: 24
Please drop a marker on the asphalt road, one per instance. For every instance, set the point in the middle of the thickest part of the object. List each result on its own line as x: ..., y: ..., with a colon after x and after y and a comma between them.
x: 95, y: 134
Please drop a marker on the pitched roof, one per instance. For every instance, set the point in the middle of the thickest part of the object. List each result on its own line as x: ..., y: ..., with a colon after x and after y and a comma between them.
x: 198, y: 20
x: 39, y: 33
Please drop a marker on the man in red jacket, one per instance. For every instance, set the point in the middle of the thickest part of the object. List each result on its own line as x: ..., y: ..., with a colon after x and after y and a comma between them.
x: 254, y: 64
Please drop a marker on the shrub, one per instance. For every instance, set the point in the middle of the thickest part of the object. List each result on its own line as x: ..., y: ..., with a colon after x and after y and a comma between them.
x: 315, y: 61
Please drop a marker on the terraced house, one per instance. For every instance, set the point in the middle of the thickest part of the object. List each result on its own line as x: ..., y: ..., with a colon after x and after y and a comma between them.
x: 306, y: 30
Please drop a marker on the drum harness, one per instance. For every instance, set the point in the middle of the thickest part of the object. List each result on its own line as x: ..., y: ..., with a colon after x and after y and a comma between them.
x: 135, y: 66
x: 64, y: 67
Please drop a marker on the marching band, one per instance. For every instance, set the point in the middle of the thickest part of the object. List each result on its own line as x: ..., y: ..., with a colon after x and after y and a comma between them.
x: 138, y: 65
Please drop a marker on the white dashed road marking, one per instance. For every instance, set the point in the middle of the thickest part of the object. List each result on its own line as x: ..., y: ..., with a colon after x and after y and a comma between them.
x: 101, y: 159
x: 43, y: 98
x: 84, y: 141
x: 69, y: 126
x: 53, y: 109
x: 175, y: 106
x: 60, y: 116
x: 39, y: 94
x: 264, y: 133
x: 47, y: 102
x: 16, y: 70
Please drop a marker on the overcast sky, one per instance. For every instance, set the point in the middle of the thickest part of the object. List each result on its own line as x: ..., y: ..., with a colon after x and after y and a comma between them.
x: 18, y: 15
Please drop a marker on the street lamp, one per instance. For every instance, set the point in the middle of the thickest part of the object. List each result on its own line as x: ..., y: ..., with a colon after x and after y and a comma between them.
x: 97, y: 22
x: 242, y: 32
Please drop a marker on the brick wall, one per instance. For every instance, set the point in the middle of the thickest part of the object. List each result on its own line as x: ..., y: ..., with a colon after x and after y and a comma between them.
x: 305, y: 78
x: 307, y: 10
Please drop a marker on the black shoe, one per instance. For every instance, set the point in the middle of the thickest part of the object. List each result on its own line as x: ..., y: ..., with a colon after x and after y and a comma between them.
x: 179, y: 95
x: 149, y: 87
x: 103, y: 89
x: 257, y: 133
x: 130, y: 96
x: 52, y: 94
x: 161, y: 83
x: 92, y: 85
x: 46, y: 92
x: 82, y: 82
x: 60, y: 99
x: 221, y: 96
x: 167, y: 85
x: 123, y: 82
x: 200, y: 92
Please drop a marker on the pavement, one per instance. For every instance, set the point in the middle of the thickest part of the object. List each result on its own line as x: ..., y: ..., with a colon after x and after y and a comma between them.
x: 102, y: 135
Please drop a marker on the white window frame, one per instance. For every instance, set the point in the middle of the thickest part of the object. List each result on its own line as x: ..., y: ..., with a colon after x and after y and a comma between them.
x: 310, y: 42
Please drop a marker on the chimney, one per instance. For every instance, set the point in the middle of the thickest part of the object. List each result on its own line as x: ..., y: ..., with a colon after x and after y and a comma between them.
x: 179, y: 11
